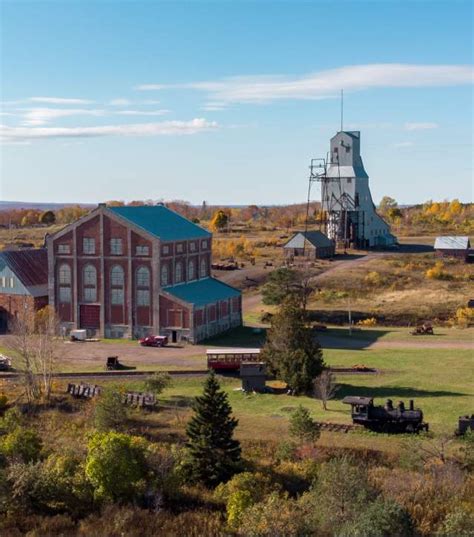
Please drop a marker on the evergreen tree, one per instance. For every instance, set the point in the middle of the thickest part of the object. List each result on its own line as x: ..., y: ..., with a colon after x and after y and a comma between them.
x: 214, y: 455
x: 291, y: 350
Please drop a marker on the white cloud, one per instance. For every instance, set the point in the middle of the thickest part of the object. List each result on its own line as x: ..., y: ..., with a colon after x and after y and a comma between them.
x: 325, y: 84
x: 420, y: 126
x: 41, y: 116
x: 193, y: 126
x: 58, y: 100
x: 142, y: 112
x: 120, y: 102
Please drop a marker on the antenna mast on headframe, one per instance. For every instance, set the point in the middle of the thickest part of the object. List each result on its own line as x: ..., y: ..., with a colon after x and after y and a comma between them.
x: 342, y: 109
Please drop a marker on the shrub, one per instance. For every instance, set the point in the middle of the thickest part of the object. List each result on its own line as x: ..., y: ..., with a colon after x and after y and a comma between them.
x: 157, y: 382
x: 3, y: 402
x: 302, y: 426
x: 110, y: 413
x: 464, y: 317
x: 22, y: 444
x: 371, y: 321
x: 373, y: 278
x: 437, y: 272
x: 116, y: 465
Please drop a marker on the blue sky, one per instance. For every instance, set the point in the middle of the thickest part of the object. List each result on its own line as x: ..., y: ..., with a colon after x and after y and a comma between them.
x: 228, y: 101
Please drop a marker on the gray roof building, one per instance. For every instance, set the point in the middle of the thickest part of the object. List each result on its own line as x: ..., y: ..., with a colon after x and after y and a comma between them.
x: 452, y: 243
x: 315, y: 238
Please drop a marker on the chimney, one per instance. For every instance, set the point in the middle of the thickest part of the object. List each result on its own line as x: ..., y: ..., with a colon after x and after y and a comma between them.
x: 412, y: 404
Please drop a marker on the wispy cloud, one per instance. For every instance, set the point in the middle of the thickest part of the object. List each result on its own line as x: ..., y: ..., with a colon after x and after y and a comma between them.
x: 193, y: 126
x: 120, y: 102
x: 420, y: 126
x: 324, y: 84
x: 128, y: 102
x: 58, y: 100
x: 41, y: 116
x: 142, y: 112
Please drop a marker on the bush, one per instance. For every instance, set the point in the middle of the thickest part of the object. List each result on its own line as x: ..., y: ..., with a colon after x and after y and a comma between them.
x: 464, y: 317
x: 22, y: 444
x: 157, y: 383
x: 3, y: 402
x: 110, y: 413
x: 371, y: 321
x: 437, y: 272
x: 116, y: 465
x: 302, y: 425
x: 373, y: 278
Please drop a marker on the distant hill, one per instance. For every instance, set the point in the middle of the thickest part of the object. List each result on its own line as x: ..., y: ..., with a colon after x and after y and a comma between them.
x: 9, y: 205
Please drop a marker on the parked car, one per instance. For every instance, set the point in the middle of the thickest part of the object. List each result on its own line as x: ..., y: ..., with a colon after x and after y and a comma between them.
x: 154, y: 341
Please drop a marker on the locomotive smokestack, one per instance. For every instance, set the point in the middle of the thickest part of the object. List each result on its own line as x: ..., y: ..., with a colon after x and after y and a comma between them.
x: 412, y: 404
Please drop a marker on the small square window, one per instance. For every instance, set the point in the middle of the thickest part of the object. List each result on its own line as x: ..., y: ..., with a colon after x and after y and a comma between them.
x: 179, y: 248
x: 204, y: 245
x: 142, y: 250
x: 192, y: 246
x: 64, y: 249
x: 88, y: 245
x: 116, y: 246
x: 166, y: 250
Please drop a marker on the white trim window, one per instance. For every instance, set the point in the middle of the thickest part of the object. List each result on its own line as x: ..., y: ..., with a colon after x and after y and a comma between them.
x: 142, y: 250
x: 64, y: 249
x: 88, y: 245
x: 203, y: 271
x: 65, y: 281
x: 179, y: 248
x: 143, y: 286
x: 116, y: 246
x: 117, y: 280
x: 164, y: 275
x: 204, y: 245
x: 178, y: 272
x: 89, y: 284
x: 192, y: 246
x: 64, y: 274
x: 65, y: 295
x: 191, y: 270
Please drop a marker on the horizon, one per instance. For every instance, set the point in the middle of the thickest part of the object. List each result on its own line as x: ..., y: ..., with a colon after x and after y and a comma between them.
x: 208, y: 101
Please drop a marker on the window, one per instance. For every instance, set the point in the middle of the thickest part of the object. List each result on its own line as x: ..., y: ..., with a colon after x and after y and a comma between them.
x: 89, y: 284
x: 116, y: 246
x: 2, y: 281
x: 204, y: 245
x: 117, y: 276
x: 65, y: 275
x: 164, y: 275
x: 203, y: 268
x: 64, y: 249
x: 142, y: 250
x: 166, y: 250
x: 88, y: 245
x: 178, y: 272
x: 349, y: 180
x: 65, y: 295
x: 143, y: 277
x: 192, y: 246
x: 143, y: 297
x: 191, y: 270
x: 116, y: 297
x: 179, y: 248
x: 143, y: 286
x: 12, y: 282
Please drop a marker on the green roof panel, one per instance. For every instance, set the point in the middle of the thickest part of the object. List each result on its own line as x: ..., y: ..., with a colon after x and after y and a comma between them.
x: 161, y: 222
x: 202, y: 292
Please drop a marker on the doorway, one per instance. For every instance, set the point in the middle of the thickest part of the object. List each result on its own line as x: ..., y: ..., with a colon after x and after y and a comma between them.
x: 174, y: 336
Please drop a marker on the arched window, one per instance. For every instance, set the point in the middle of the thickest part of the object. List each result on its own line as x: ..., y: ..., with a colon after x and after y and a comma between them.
x: 143, y: 286
x: 164, y: 275
x: 191, y: 270
x: 65, y: 274
x: 178, y: 272
x: 203, y: 268
x: 89, y: 284
x: 65, y: 284
x: 117, y: 279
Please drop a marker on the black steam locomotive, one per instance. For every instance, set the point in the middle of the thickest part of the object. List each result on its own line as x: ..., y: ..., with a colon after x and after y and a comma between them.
x: 387, y: 418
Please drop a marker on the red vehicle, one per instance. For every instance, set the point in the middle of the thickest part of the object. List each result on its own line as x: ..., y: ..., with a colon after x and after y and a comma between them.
x: 154, y: 341
x: 230, y: 359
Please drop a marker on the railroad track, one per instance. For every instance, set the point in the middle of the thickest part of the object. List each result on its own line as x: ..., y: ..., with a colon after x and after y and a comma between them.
x: 337, y: 427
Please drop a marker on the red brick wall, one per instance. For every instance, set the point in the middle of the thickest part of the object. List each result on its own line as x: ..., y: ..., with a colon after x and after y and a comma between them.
x: 66, y: 239
x: 198, y: 317
x: 173, y: 314
x: 90, y: 229
x: 137, y: 240
x: 113, y: 229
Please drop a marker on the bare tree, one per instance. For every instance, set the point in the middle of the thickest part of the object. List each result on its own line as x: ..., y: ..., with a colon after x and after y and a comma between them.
x: 33, y: 341
x: 325, y: 387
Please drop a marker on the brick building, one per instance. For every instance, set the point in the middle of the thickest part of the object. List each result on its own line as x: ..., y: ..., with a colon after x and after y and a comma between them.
x: 23, y: 283
x: 131, y: 271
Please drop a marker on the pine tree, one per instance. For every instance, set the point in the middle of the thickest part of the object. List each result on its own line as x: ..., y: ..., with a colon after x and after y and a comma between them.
x: 291, y: 350
x: 214, y: 453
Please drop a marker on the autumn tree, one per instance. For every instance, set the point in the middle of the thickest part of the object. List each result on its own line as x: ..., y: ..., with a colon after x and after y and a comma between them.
x: 214, y: 455
x: 47, y: 218
x: 219, y: 220
x: 291, y: 351
x: 325, y: 387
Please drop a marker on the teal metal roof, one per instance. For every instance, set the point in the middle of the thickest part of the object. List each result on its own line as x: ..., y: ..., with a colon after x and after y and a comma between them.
x: 202, y: 292
x: 161, y: 222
